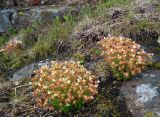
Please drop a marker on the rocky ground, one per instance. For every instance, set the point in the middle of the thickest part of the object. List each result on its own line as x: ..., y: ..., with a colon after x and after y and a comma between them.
x: 138, y: 20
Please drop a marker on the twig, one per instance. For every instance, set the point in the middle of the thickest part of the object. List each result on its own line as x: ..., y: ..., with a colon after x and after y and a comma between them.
x: 15, y: 89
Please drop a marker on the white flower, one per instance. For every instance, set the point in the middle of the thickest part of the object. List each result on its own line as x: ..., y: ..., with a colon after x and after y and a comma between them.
x: 84, y: 81
x: 40, y: 79
x: 134, y: 47
x: 133, y: 55
x: 72, y: 72
x: 80, y: 77
x: 67, y: 104
x: 96, y: 85
x: 55, y: 95
x: 92, y: 97
x: 64, y: 67
x: 90, y: 78
x: 49, y: 92
x: 64, y: 79
x: 45, y: 87
x: 68, y: 81
x: 39, y: 84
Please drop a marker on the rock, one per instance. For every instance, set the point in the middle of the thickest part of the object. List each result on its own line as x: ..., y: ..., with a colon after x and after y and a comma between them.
x: 6, y: 3
x: 5, y: 16
x: 24, y: 17
x: 27, y: 71
x: 146, y: 92
x: 142, y: 93
x: 3, y: 20
x: 25, y: 3
x: 50, y: 14
x: 42, y: 63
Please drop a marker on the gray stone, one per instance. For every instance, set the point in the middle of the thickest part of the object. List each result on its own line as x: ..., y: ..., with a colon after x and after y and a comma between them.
x: 42, y: 63
x: 27, y: 71
x: 4, y: 23
x: 24, y: 17
x: 26, y: 3
x: 5, y: 16
x: 142, y: 94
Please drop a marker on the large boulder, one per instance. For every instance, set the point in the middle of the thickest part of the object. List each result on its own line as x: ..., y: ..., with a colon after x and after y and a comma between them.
x: 142, y: 94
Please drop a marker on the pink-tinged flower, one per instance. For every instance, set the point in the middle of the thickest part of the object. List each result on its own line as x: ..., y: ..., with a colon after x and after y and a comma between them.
x: 12, y: 46
x: 68, y: 81
x: 124, y: 55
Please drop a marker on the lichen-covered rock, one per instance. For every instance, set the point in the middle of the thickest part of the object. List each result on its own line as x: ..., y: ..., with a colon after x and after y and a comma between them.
x: 142, y: 94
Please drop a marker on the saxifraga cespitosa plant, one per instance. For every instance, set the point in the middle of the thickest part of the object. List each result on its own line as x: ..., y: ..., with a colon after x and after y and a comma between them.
x: 125, y: 57
x: 64, y: 86
x: 12, y: 46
